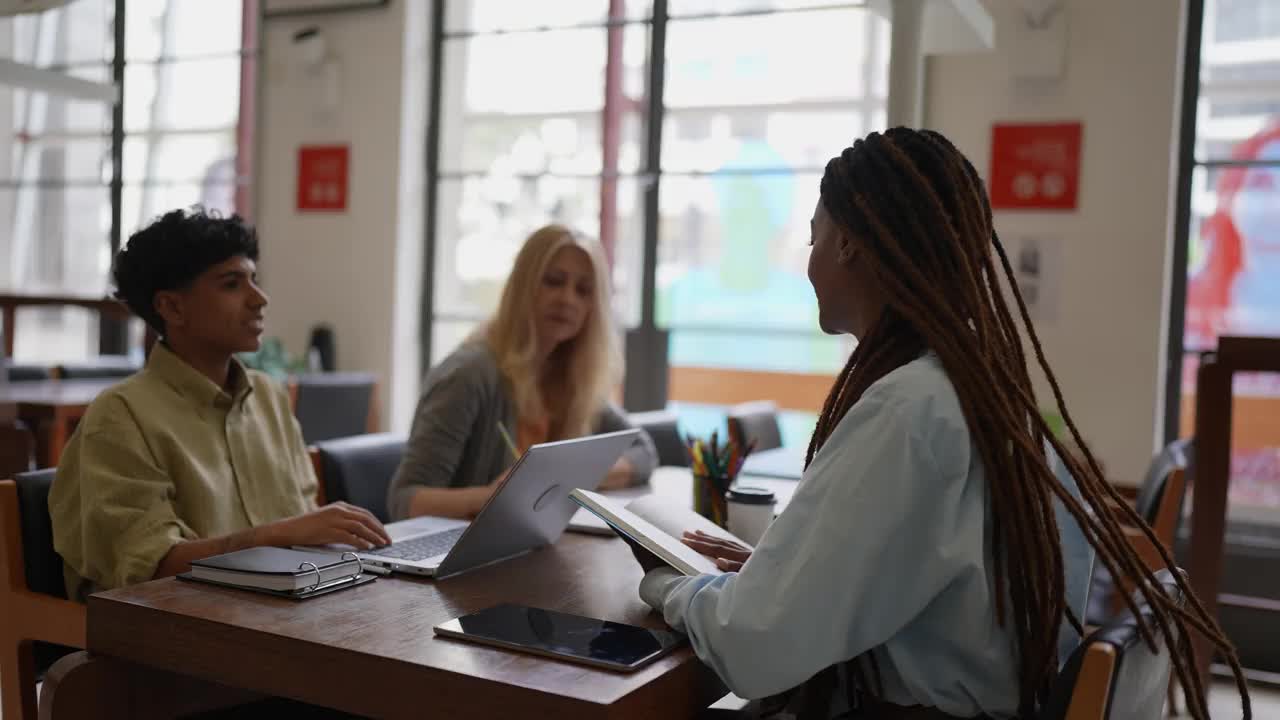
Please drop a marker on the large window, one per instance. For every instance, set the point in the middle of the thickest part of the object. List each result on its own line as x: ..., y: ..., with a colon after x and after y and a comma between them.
x: 1233, y: 266
x: 550, y: 138
x: 184, y: 62
x: 756, y: 96
x: 55, y: 202
x: 181, y: 106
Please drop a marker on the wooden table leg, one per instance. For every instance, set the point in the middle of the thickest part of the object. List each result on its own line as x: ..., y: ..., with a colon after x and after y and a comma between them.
x: 59, y: 431
x: 17, y: 669
x: 47, y: 453
x: 83, y: 685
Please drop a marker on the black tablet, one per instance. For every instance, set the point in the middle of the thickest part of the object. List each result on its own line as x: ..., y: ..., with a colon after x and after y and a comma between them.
x: 601, y: 643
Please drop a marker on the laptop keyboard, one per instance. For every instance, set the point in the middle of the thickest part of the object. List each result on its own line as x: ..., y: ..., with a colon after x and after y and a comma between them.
x: 420, y: 548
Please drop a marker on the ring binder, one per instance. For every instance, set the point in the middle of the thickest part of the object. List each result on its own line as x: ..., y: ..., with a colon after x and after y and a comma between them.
x: 314, y: 569
x: 359, y: 562
x: 288, y: 573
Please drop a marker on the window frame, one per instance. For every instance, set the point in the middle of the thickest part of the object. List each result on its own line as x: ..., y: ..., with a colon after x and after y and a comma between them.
x: 647, y: 343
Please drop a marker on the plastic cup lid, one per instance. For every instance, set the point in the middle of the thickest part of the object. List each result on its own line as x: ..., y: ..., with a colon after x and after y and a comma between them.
x: 748, y: 495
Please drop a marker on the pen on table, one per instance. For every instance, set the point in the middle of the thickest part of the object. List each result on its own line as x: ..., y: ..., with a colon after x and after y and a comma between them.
x: 506, y: 437
x: 374, y: 569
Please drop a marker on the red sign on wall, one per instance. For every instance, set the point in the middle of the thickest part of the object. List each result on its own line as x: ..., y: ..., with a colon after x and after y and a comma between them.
x: 1035, y: 166
x: 322, y: 177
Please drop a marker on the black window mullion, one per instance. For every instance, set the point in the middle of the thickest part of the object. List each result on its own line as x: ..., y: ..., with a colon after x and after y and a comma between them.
x: 426, y: 320
x: 1182, y: 221
x: 646, y: 346
x: 113, y: 334
x: 653, y: 160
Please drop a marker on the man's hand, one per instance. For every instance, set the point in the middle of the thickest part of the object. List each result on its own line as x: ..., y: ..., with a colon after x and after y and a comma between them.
x: 729, y: 556
x: 336, y: 523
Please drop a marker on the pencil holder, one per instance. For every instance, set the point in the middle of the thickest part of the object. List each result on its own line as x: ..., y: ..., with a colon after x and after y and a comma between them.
x: 709, y: 497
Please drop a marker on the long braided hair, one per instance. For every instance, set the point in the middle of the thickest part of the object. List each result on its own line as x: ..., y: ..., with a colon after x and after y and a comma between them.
x: 919, y: 207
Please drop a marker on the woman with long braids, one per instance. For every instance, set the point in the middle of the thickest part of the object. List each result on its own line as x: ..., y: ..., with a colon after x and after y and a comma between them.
x: 935, y: 558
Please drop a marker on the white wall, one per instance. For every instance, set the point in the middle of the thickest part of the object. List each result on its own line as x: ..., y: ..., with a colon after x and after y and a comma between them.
x: 359, y: 270
x: 1106, y: 345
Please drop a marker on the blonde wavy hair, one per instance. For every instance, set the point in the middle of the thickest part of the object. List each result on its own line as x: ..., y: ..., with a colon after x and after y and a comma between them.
x: 581, y: 372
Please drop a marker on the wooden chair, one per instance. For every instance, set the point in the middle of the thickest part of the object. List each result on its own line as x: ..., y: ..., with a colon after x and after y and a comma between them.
x: 1159, y: 502
x: 1160, y: 498
x: 663, y: 427
x: 756, y: 421
x: 1164, y: 521
x: 38, y: 624
x: 1113, y: 674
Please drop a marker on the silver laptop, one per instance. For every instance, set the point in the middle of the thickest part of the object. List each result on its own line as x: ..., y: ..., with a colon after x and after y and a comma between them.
x: 530, y: 509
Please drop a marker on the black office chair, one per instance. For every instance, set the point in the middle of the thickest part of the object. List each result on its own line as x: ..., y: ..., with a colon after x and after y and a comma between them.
x: 333, y: 405
x: 29, y: 373
x: 1163, y: 514
x: 103, y: 367
x: 1113, y: 674
x: 43, y: 563
x: 359, y: 469
x: 663, y: 427
x: 38, y: 624
x: 756, y: 421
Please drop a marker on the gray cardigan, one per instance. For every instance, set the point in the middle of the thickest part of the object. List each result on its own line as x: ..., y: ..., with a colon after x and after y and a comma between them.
x: 455, y: 442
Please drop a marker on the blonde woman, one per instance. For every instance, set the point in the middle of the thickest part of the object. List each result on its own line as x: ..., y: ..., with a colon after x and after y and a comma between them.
x: 541, y: 369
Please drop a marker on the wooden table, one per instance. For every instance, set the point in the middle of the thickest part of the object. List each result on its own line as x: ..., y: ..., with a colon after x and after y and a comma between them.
x: 52, y: 408
x: 370, y: 650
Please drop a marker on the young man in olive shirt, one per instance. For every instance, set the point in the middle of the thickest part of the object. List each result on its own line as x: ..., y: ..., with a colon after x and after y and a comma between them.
x: 195, y: 455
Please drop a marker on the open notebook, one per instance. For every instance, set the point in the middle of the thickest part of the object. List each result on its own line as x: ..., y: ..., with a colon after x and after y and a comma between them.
x: 657, y: 524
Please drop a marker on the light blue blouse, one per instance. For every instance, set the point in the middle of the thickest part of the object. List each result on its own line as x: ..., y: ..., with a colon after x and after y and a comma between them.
x: 886, y: 544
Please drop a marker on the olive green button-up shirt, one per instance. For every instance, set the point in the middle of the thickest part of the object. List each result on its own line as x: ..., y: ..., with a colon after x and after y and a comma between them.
x: 168, y: 456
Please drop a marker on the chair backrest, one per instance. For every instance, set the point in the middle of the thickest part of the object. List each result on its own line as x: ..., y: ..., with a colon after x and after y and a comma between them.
x: 1154, y: 503
x: 756, y: 421
x: 103, y: 367
x: 17, y: 447
x: 333, y: 405
x: 1113, y: 674
x: 664, y: 428
x: 43, y: 563
x: 359, y: 469
x: 27, y: 373
x: 1159, y: 503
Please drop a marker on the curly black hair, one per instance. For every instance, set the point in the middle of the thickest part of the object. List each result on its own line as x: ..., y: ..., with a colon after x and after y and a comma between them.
x: 171, y: 252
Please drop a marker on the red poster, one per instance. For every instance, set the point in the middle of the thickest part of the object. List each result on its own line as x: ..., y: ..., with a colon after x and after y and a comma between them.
x: 322, y: 177
x: 1035, y: 166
